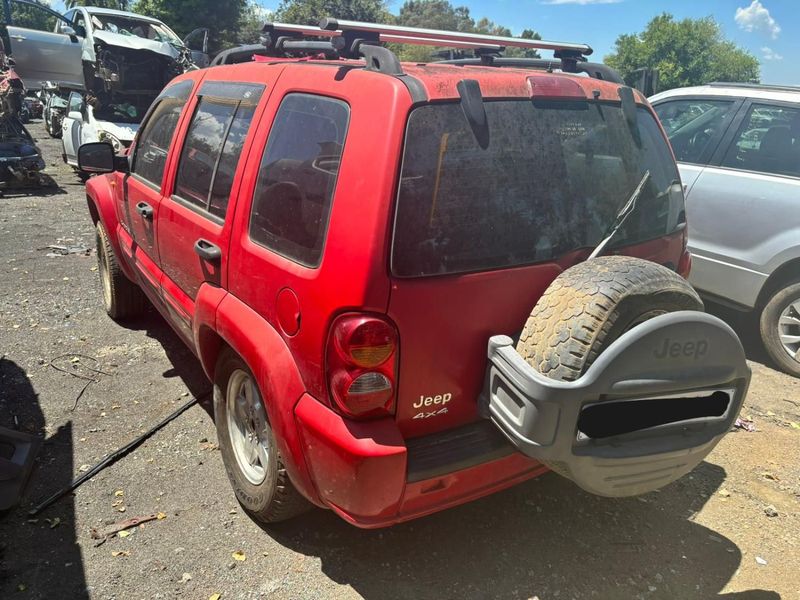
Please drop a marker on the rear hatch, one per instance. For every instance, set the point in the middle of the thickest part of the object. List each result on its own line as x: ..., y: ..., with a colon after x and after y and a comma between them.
x: 483, y: 227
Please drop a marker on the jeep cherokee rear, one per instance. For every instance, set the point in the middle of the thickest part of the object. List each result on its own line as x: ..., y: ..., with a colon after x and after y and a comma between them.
x: 352, y: 280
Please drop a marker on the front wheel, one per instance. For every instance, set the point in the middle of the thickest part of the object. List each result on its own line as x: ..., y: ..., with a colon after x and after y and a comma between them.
x: 121, y: 297
x: 780, y: 328
x: 247, y: 443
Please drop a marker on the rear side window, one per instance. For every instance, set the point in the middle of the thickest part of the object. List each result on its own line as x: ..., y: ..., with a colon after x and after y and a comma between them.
x: 768, y: 141
x: 694, y: 125
x: 552, y: 179
x: 150, y: 154
x: 213, y: 144
x: 298, y: 175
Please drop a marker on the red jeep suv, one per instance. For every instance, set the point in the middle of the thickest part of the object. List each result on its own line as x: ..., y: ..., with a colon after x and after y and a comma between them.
x: 353, y: 248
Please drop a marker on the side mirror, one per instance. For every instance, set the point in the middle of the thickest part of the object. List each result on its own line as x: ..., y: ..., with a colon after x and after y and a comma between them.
x: 67, y: 30
x: 97, y: 157
x: 75, y: 115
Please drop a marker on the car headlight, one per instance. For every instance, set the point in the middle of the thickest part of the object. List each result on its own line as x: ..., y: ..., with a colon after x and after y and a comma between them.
x: 104, y: 136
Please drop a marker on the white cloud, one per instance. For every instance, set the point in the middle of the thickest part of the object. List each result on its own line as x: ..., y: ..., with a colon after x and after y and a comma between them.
x: 581, y: 2
x: 770, y: 54
x: 757, y: 18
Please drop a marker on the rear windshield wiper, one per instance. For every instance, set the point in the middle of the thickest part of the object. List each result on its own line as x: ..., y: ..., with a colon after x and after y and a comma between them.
x: 623, y: 214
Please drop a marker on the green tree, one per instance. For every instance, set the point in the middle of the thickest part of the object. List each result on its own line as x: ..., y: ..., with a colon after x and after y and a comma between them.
x: 685, y: 53
x: 224, y: 19
x: 309, y: 12
x: 441, y: 14
x: 31, y: 17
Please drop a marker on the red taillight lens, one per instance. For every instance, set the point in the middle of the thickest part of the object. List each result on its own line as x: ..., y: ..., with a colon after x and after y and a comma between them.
x: 366, y: 341
x: 362, y: 365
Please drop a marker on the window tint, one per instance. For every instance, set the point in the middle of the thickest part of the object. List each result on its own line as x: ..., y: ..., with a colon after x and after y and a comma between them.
x: 151, y: 149
x: 693, y: 125
x: 213, y: 144
x: 297, y: 177
x: 551, y: 179
x: 768, y: 141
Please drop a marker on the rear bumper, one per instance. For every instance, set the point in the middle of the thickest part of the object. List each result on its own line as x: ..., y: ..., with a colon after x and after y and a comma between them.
x: 367, y: 474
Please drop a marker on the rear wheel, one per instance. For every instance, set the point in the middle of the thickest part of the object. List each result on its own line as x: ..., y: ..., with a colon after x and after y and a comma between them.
x: 590, y: 305
x: 121, y: 297
x: 247, y: 443
x: 780, y: 328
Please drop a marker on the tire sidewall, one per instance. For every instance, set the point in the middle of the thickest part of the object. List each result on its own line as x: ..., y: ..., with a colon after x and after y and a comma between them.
x: 768, y: 325
x: 254, y: 498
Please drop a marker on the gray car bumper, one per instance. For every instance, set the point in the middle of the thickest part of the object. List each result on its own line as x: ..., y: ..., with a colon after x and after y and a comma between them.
x: 651, y: 407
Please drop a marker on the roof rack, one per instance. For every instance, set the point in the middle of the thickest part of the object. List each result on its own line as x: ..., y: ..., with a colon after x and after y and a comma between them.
x: 756, y: 86
x: 355, y: 39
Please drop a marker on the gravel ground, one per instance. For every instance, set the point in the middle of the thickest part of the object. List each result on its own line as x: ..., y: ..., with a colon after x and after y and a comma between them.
x: 728, y: 530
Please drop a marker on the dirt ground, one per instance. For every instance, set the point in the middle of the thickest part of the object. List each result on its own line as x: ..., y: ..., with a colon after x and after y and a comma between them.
x: 709, y: 535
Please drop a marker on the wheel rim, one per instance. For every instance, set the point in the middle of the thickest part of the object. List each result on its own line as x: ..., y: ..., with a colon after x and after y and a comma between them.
x: 247, y: 427
x: 789, y: 329
x: 105, y: 276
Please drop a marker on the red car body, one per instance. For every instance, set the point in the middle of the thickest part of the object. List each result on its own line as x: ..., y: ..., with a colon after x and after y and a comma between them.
x: 277, y: 315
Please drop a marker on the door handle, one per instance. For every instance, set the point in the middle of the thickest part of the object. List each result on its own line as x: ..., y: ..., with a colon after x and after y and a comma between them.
x: 144, y: 209
x: 207, y: 251
x: 19, y: 38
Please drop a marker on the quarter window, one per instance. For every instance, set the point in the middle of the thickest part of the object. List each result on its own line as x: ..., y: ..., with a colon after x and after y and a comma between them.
x: 211, y: 151
x: 693, y: 126
x: 768, y: 141
x: 298, y: 175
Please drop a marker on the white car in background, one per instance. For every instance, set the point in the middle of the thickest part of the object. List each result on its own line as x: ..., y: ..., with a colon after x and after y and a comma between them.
x: 109, y: 65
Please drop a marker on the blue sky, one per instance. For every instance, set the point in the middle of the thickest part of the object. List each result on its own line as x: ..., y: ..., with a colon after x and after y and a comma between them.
x: 770, y: 29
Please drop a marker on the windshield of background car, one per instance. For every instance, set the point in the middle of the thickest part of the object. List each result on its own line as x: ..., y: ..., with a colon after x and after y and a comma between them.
x: 143, y: 29
x: 552, y: 179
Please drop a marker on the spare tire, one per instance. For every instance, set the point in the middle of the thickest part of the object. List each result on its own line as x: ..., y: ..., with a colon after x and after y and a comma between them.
x: 590, y: 305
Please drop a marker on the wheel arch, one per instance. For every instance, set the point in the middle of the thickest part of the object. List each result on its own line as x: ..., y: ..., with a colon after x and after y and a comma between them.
x: 788, y: 272
x: 100, y: 201
x: 223, y: 321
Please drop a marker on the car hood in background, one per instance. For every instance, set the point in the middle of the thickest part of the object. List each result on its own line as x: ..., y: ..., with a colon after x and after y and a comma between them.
x: 124, y: 132
x: 133, y: 42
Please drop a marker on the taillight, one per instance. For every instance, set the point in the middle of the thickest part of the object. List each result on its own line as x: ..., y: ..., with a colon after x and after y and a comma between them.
x: 362, y: 365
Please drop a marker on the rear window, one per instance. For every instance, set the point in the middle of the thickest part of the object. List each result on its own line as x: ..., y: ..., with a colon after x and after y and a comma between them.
x: 552, y: 179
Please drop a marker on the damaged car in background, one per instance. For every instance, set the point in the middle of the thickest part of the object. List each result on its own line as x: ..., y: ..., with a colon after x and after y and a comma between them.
x: 21, y: 162
x: 105, y: 66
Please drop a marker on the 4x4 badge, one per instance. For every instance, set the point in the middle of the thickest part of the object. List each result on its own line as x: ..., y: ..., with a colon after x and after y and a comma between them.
x: 435, y: 413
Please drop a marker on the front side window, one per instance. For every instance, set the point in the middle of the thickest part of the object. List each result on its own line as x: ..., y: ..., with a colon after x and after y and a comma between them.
x: 212, y: 147
x: 768, y: 141
x: 150, y: 154
x: 551, y: 179
x: 693, y: 125
x: 298, y: 175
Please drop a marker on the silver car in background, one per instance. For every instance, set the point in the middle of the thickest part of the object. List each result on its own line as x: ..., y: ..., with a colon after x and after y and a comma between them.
x: 738, y: 151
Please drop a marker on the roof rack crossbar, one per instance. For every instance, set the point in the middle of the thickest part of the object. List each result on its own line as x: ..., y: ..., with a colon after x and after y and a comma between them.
x: 408, y: 33
x: 593, y: 70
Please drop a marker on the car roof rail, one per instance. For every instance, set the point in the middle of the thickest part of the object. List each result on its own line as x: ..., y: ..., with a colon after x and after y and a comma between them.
x: 593, y: 70
x: 356, y: 39
x: 756, y: 86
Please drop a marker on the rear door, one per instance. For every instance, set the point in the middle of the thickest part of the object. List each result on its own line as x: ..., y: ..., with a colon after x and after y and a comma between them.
x: 71, y: 127
x: 143, y: 187
x: 744, y: 205
x: 483, y: 227
x: 194, y: 222
x: 41, y: 52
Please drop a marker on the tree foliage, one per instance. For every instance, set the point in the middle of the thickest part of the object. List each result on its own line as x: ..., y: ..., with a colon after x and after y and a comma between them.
x: 441, y: 14
x: 687, y: 52
x: 309, y: 12
x: 224, y: 19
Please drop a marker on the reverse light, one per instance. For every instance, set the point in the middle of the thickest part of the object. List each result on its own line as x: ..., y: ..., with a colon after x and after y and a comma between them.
x: 362, y: 365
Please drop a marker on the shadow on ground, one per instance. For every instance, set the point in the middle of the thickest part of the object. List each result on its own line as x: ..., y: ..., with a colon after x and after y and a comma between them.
x: 59, y: 571
x: 544, y: 538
